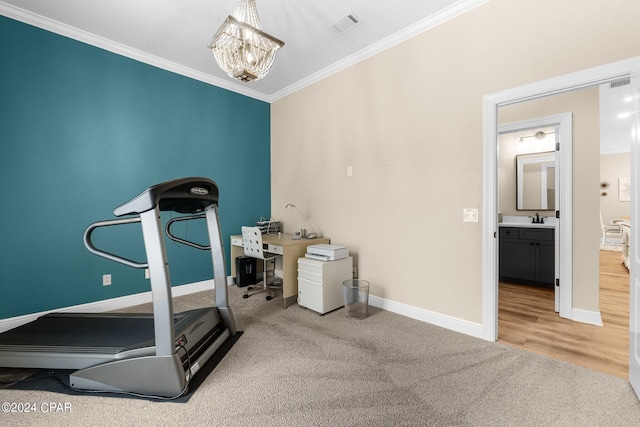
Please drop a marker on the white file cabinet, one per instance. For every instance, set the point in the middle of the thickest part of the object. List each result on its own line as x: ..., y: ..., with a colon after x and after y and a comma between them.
x: 320, y: 283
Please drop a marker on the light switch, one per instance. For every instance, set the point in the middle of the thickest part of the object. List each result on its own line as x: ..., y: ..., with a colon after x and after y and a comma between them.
x: 470, y: 215
x: 349, y: 170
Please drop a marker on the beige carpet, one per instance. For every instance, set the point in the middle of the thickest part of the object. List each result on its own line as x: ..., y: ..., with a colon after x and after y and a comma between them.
x: 295, y: 368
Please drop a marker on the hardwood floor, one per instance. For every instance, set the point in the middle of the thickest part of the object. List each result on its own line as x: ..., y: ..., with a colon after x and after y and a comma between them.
x: 526, y: 319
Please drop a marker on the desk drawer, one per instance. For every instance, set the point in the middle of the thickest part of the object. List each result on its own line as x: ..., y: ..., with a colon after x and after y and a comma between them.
x: 310, y: 276
x: 311, y: 266
x: 275, y: 249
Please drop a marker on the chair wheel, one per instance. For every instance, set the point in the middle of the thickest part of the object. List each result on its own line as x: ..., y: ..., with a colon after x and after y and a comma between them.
x: 245, y: 296
x: 268, y: 298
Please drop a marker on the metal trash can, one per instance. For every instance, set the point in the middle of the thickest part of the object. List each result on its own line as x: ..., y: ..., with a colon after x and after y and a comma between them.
x: 356, y: 298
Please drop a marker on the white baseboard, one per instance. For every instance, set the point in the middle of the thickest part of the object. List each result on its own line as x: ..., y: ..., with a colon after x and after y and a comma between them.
x: 459, y: 325
x: 437, y: 319
x: 464, y: 326
x: 107, y: 305
x: 586, y: 316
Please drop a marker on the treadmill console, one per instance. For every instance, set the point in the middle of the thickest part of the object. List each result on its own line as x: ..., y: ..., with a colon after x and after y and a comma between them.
x: 185, y: 195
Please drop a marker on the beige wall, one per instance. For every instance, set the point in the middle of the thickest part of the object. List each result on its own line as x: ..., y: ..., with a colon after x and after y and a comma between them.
x: 409, y: 122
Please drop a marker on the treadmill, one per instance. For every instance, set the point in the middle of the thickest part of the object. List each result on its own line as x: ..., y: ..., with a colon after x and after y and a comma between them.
x: 145, y: 354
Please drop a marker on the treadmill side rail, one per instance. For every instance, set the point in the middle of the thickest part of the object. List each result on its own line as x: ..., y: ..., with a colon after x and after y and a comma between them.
x: 56, y: 357
x: 163, y: 376
x: 151, y: 375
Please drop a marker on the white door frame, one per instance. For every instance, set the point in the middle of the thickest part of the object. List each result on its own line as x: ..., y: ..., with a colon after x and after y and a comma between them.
x: 564, y: 172
x: 491, y: 103
x: 634, y: 258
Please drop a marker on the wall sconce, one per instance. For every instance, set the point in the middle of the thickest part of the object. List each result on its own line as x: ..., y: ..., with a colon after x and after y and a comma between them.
x: 540, y: 135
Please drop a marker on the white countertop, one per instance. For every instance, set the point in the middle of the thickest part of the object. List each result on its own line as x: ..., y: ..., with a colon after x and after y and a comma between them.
x: 526, y: 224
x: 525, y: 221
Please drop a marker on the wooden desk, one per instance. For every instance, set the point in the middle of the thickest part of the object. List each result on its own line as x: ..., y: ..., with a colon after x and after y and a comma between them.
x: 290, y: 250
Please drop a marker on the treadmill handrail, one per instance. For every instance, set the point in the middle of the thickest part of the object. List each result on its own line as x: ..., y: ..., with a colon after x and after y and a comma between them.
x: 108, y: 255
x: 183, y: 241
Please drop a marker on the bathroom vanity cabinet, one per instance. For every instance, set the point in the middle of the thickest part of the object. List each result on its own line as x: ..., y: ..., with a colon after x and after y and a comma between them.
x: 527, y: 255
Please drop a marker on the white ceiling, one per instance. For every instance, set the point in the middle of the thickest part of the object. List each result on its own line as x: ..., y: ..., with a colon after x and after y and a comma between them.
x: 174, y: 34
x: 616, y: 122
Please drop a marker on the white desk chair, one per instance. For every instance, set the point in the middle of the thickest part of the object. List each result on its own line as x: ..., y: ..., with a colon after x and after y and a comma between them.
x: 609, y: 230
x: 253, y: 247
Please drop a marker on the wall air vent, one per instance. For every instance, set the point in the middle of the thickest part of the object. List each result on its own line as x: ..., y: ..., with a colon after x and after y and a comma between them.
x: 620, y: 82
x: 346, y: 23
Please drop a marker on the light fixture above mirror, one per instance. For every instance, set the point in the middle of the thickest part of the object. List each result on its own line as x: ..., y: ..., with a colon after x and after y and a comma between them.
x: 540, y: 136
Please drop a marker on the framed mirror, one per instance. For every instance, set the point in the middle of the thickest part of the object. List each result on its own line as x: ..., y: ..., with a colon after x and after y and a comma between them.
x: 535, y: 176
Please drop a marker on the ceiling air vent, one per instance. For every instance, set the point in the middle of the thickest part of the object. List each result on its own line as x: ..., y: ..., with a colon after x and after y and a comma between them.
x: 346, y: 23
x: 620, y: 82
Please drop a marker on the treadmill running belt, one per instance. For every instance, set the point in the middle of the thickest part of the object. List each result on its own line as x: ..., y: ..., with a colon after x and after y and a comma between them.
x: 60, y: 329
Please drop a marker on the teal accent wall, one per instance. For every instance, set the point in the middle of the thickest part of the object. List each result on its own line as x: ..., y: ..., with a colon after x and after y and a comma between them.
x: 82, y: 131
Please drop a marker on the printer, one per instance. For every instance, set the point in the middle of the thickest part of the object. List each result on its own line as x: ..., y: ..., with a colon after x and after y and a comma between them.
x: 327, y: 252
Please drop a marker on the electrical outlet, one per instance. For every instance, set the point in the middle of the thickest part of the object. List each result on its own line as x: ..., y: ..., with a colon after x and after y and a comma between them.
x: 146, y: 273
x: 106, y: 279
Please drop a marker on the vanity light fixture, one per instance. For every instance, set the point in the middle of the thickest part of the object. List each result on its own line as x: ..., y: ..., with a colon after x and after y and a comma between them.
x: 241, y: 48
x: 540, y: 135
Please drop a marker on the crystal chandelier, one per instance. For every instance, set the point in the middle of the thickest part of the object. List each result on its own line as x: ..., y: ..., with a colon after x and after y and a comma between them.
x: 241, y: 48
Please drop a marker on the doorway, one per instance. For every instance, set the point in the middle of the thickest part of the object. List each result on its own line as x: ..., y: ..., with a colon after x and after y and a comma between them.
x: 492, y: 103
x: 534, y: 309
x: 563, y: 84
x: 519, y: 147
